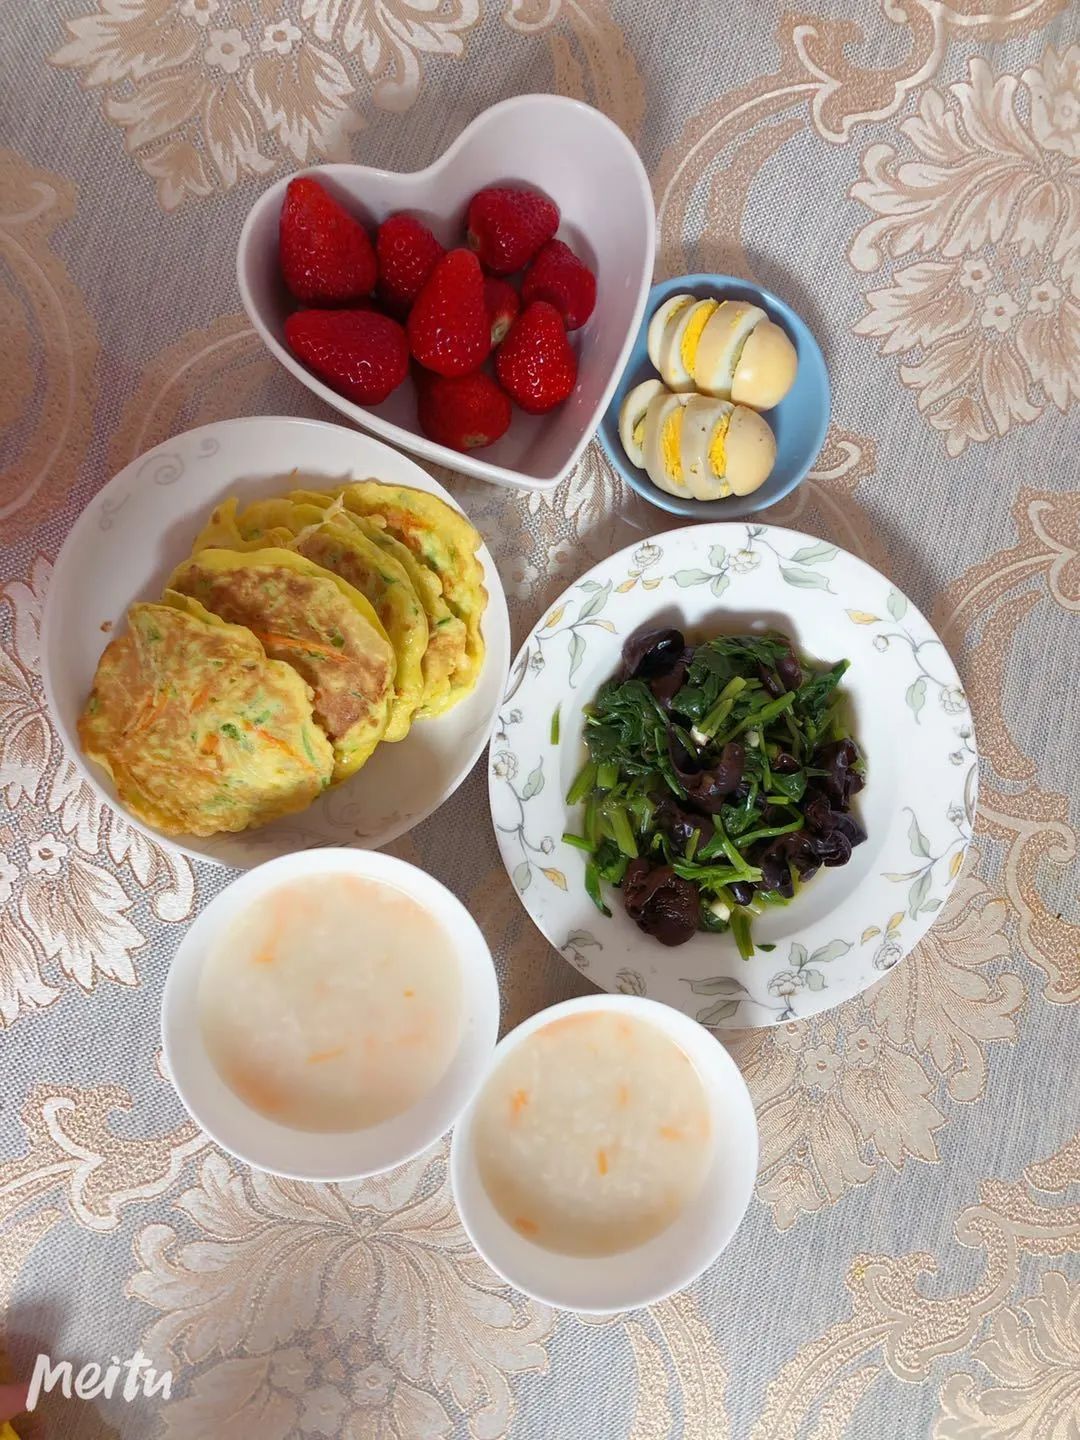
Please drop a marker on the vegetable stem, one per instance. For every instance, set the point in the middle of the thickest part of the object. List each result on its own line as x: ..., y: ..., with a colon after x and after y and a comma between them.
x: 586, y: 779
x: 722, y: 709
x: 654, y: 774
x: 607, y: 775
x: 740, y: 928
x: 592, y: 887
x: 769, y: 833
x: 758, y: 719
x: 727, y: 845
x: 621, y: 831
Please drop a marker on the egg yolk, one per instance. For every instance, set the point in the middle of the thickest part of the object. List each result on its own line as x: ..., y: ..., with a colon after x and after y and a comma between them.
x: 639, y: 433
x: 671, y: 444
x: 692, y: 334
x: 718, y: 448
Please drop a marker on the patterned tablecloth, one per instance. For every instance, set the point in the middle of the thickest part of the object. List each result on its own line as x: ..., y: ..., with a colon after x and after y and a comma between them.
x: 908, y: 176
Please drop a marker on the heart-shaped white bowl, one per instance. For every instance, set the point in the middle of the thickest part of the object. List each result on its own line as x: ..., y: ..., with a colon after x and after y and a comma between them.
x: 584, y: 162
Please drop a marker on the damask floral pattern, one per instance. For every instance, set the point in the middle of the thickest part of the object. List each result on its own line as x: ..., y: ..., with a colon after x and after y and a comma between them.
x: 987, y: 312
x: 841, y: 1095
x: 955, y: 126
x: 50, y: 349
x: 1030, y: 1348
x: 201, y: 100
x: 1033, y: 1355
x: 353, y: 1312
x: 212, y: 92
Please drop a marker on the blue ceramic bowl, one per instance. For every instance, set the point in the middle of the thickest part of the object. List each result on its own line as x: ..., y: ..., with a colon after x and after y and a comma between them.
x: 799, y: 422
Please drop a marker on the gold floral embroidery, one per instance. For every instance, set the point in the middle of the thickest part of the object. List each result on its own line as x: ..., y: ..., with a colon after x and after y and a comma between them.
x: 595, y: 62
x: 391, y: 35
x: 838, y: 1095
x: 209, y: 92
x: 701, y: 1374
x: 816, y: 71
x: 72, y: 1152
x: 990, y: 209
x: 48, y: 362
x: 943, y: 1003
x: 1037, y: 1365
x: 991, y: 599
x: 206, y: 375
x: 352, y: 1319
x: 1033, y: 1353
x: 207, y: 97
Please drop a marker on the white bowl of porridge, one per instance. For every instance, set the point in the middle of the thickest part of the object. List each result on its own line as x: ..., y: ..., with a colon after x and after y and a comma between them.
x: 609, y: 1155
x: 330, y: 1014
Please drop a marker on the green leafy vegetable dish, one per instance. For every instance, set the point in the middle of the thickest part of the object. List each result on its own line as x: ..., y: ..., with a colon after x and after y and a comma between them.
x: 720, y: 778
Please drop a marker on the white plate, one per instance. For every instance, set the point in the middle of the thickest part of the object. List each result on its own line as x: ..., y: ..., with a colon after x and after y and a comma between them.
x: 136, y: 530
x: 910, y: 718
x: 606, y: 205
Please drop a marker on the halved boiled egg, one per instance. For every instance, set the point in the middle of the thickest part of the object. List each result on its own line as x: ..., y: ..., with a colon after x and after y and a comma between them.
x: 680, y: 341
x: 765, y: 370
x: 663, y: 442
x: 704, y: 437
x: 721, y: 345
x: 657, y: 325
x: 744, y: 357
x: 632, y: 419
x: 725, y: 450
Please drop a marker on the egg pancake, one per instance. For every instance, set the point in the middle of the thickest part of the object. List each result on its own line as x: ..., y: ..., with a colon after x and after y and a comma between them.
x: 445, y: 654
x: 315, y: 621
x: 199, y: 729
x: 442, y: 538
x: 335, y: 542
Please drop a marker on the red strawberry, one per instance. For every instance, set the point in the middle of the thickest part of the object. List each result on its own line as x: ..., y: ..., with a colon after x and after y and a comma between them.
x: 462, y: 411
x: 359, y: 353
x: 560, y: 278
x: 407, y: 252
x: 502, y: 303
x: 325, y: 255
x: 535, y: 362
x: 448, y: 324
x: 507, y: 227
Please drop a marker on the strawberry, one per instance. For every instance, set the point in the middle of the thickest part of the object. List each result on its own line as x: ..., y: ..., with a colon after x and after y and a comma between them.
x: 535, y: 363
x: 359, y: 353
x: 506, y: 227
x: 407, y: 252
x: 560, y: 278
x: 462, y: 411
x: 325, y: 255
x: 448, y: 325
x: 502, y: 304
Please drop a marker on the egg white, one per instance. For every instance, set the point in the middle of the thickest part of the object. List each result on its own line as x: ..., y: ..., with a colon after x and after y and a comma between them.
x: 721, y: 345
x: 664, y: 469
x: 704, y: 416
x: 631, y: 415
x: 678, y: 375
x: 653, y: 336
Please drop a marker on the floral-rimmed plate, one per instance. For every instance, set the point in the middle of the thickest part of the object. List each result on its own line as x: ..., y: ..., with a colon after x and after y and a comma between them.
x: 910, y: 718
